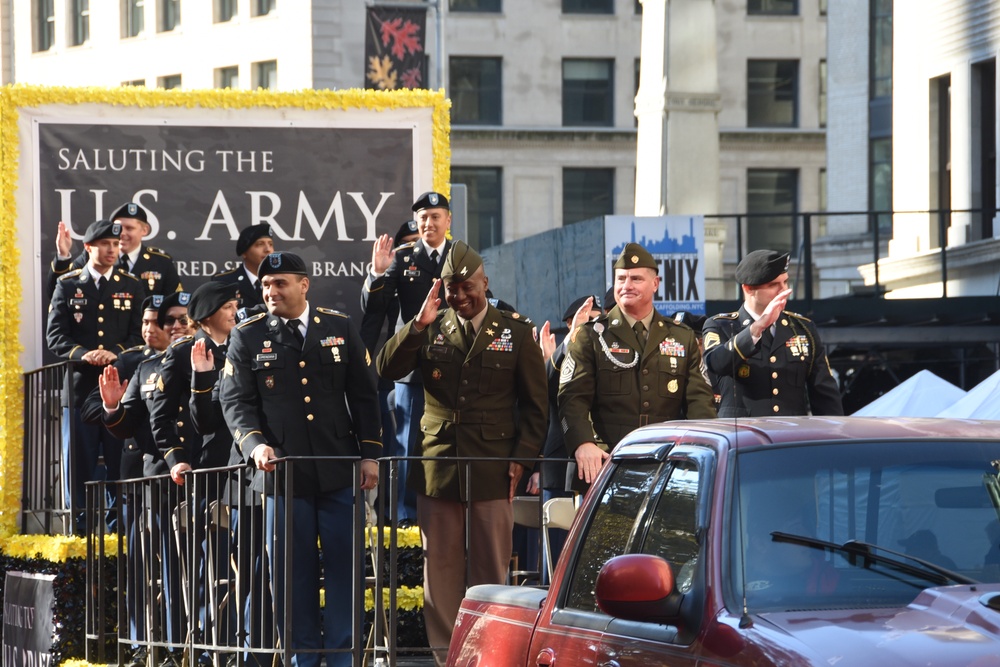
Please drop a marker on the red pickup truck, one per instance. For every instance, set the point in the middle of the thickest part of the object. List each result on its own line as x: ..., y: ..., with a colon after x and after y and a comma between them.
x: 799, y: 541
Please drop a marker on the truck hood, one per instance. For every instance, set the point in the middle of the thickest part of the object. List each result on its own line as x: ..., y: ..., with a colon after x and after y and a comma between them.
x: 952, y: 625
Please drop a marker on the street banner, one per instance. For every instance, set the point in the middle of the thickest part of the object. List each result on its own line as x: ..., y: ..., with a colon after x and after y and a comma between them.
x: 394, y: 48
x: 27, y: 619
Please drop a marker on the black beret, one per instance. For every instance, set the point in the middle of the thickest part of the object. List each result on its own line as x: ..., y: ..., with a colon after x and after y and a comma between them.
x: 131, y: 210
x: 761, y: 267
x: 460, y: 263
x: 208, y: 298
x: 407, y: 228
x: 169, y: 301
x: 152, y: 302
x: 249, y: 236
x: 634, y: 256
x: 609, y: 299
x: 575, y: 306
x: 430, y: 200
x: 281, y: 262
x: 102, y: 229
x: 696, y: 322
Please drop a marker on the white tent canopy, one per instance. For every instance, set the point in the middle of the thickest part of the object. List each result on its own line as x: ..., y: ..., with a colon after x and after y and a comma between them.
x: 923, y: 395
x: 981, y: 402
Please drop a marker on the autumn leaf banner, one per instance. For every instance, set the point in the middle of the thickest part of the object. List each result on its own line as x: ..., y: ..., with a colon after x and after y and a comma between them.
x: 394, y: 48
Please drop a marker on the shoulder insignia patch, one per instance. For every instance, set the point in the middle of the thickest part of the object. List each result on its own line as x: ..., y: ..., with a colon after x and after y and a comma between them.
x: 330, y: 311
x: 251, y: 320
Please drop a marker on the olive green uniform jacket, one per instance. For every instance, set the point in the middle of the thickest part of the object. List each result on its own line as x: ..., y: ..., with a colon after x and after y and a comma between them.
x: 610, y: 384
x: 487, y: 401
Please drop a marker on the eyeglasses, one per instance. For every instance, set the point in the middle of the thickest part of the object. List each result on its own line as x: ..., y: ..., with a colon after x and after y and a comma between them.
x: 183, y: 320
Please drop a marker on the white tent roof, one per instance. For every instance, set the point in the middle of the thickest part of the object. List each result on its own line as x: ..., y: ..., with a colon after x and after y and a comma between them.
x: 981, y: 402
x: 923, y: 395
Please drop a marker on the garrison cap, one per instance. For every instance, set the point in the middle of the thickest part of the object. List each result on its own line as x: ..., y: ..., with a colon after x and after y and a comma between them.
x: 430, y: 200
x: 696, y: 322
x: 407, y: 228
x: 249, y: 236
x: 634, y: 256
x: 102, y: 229
x: 761, y: 267
x: 281, y: 262
x: 575, y: 306
x: 460, y: 263
x: 169, y: 301
x: 131, y: 210
x: 208, y: 298
x: 152, y: 302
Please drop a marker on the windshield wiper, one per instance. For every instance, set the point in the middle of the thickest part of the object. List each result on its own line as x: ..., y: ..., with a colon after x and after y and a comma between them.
x: 874, y: 553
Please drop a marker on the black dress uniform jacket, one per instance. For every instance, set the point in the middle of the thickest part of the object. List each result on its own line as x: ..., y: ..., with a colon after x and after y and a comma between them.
x: 317, y: 400
x: 487, y: 401
x: 248, y: 293
x: 82, y: 319
x: 610, y: 383
x: 130, y: 422
x: 154, y: 267
x: 789, y: 375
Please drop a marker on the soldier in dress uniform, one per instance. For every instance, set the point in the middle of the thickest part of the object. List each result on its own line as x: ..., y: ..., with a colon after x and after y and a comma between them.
x: 765, y: 360
x: 154, y: 267
x: 298, y: 382
x: 628, y: 368
x: 485, y: 396
x: 253, y: 245
x: 403, y: 277
x: 94, y: 315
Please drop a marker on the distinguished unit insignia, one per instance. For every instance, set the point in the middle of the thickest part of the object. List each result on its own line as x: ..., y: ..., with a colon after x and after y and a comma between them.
x: 269, y: 382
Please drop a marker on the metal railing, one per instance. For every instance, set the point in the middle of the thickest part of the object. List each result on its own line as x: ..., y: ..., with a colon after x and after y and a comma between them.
x: 44, y: 507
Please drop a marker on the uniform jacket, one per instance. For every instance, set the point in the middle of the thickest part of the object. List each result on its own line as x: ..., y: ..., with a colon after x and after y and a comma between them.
x: 487, y: 401
x: 790, y: 377
x: 173, y: 426
x: 399, y: 294
x: 319, y: 400
x: 609, y: 384
x: 130, y: 422
x: 81, y: 319
x: 154, y: 267
x: 248, y: 295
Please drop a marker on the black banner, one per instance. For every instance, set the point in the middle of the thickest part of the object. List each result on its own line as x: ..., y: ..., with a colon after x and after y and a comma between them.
x: 327, y: 192
x: 27, y: 619
x: 394, y: 48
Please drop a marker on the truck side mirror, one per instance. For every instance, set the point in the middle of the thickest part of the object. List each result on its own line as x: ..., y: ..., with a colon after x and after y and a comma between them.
x: 638, y: 587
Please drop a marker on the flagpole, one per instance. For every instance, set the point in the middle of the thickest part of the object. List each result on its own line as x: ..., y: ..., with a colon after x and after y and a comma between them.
x: 429, y: 4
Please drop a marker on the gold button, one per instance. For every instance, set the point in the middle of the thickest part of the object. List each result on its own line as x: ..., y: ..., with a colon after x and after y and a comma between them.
x: 100, y: 347
x: 309, y: 417
x: 100, y: 320
x: 266, y: 364
x: 775, y: 408
x: 305, y: 380
x: 645, y: 404
x: 180, y: 424
x: 645, y: 371
x: 774, y: 359
x: 100, y: 307
x: 774, y: 391
x: 182, y: 439
x: 302, y: 364
x: 645, y: 387
x: 774, y: 375
x: 100, y: 333
x: 307, y: 399
x: 180, y: 408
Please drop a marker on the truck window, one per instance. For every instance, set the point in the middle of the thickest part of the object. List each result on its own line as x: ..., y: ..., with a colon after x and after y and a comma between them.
x: 672, y: 533
x: 612, y: 528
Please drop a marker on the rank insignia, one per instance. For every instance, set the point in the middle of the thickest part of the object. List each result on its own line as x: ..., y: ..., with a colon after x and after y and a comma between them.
x: 711, y: 340
x: 436, y: 373
x: 228, y: 368
x: 269, y: 382
x: 566, y: 372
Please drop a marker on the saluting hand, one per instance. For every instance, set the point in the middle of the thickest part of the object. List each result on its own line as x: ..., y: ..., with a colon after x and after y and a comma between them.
x: 429, y: 310
x: 382, y: 254
x: 202, y: 359
x: 111, y: 388
x: 64, y: 242
x: 771, y: 312
x: 547, y: 341
x: 582, y: 314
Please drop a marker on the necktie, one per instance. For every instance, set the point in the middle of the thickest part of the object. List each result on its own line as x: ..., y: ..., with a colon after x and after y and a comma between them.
x: 293, y: 327
x: 470, y: 335
x: 766, y: 339
x: 101, y: 284
x: 434, y: 256
x: 123, y: 263
x: 640, y: 331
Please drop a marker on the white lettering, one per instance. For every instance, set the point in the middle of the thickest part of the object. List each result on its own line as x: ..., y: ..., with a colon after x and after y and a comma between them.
x: 370, y: 216
x: 221, y: 207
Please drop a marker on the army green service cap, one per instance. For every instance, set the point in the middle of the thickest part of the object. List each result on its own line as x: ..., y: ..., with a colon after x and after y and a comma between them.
x: 634, y: 256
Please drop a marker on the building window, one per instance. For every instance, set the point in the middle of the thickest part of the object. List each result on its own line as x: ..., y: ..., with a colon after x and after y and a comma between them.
x: 169, y: 82
x: 881, y: 49
x: 475, y: 6
x: 638, y: 7
x: 823, y: 204
x: 44, y: 27
x: 880, y: 185
x: 227, y: 77
x: 772, y: 201
x: 81, y: 21
x: 484, y: 186
x: 772, y: 93
x: 225, y: 10
x: 265, y: 75
x: 773, y: 7
x: 822, y: 93
x: 170, y: 14
x: 587, y: 193
x: 262, y: 7
x: 822, y: 7
x: 475, y: 90
x: 132, y: 17
x: 588, y: 6
x: 588, y: 93
x: 134, y: 82
x: 638, y: 63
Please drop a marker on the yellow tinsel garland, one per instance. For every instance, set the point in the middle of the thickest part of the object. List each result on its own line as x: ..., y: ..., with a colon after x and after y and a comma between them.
x: 19, y: 96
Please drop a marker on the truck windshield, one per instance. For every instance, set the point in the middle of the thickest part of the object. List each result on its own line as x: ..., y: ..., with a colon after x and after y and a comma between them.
x: 888, y: 502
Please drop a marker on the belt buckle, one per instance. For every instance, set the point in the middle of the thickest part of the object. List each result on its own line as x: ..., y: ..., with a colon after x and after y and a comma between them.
x: 456, y: 417
x: 643, y: 420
